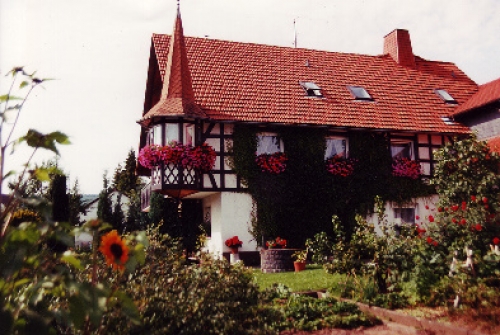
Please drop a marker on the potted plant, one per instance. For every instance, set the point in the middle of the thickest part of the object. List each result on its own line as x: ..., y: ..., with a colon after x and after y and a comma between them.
x: 278, y: 243
x: 300, y: 258
x: 233, y: 243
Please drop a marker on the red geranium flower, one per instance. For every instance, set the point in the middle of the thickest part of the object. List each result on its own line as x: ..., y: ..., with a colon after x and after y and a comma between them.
x: 479, y: 227
x: 496, y: 240
x: 431, y: 218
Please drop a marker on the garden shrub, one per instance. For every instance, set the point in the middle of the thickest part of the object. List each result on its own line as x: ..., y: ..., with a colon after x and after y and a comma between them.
x: 213, y: 297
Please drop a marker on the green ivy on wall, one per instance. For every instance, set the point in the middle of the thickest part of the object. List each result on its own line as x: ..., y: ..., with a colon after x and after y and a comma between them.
x: 300, y: 202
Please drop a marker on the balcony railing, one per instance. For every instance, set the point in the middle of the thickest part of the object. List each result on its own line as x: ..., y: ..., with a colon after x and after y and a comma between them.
x: 175, y: 180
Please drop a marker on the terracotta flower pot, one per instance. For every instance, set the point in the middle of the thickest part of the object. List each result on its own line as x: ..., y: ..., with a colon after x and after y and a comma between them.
x: 299, y: 266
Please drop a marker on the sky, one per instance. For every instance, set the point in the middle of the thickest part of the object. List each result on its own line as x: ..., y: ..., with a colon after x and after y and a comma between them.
x: 97, y: 52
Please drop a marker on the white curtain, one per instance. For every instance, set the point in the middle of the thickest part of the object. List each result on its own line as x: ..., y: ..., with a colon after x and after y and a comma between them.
x: 268, y: 144
x: 335, y: 146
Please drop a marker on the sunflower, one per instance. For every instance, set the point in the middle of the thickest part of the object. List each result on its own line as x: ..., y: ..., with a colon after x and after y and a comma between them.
x: 114, y: 250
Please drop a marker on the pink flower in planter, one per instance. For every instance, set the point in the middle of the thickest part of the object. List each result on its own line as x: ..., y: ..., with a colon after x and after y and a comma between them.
x: 404, y: 167
x: 272, y: 163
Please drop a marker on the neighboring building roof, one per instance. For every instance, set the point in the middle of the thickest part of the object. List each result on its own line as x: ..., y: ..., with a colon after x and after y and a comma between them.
x: 485, y: 95
x: 494, y: 144
x: 245, y: 82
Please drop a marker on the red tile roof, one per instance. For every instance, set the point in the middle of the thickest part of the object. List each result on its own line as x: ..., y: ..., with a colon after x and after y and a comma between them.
x: 177, y: 96
x: 486, y: 94
x: 494, y: 144
x: 248, y: 82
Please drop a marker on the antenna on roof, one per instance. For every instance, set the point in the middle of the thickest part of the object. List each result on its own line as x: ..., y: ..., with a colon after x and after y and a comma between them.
x: 294, y: 34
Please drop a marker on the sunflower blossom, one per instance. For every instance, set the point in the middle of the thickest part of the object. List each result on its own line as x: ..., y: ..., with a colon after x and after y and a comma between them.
x: 114, y: 249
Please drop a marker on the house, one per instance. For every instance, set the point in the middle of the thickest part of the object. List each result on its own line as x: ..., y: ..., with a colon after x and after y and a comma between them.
x: 91, y: 203
x: 481, y: 113
x: 199, y: 90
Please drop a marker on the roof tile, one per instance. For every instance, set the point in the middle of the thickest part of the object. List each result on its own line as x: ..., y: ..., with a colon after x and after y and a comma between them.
x: 248, y: 82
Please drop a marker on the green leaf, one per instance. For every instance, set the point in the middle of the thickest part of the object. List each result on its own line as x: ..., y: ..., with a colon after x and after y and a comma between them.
x: 140, y: 254
x: 24, y: 84
x: 128, y: 307
x: 48, y: 141
x: 70, y: 258
x: 142, y: 239
x: 8, y: 97
x: 77, y: 310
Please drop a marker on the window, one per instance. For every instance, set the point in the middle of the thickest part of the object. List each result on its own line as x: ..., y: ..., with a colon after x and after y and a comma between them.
x: 268, y: 144
x: 157, y: 135
x: 171, y: 133
x: 336, y: 145
x: 189, y: 134
x: 359, y: 93
x: 311, y: 88
x: 402, y: 149
x: 445, y: 96
x: 407, y: 215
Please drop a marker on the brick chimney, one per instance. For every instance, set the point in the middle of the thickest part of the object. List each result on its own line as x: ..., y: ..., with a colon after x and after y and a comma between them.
x: 398, y: 45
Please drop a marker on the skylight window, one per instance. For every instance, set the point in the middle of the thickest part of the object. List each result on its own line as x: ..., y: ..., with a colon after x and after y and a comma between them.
x: 445, y: 96
x: 447, y: 120
x: 359, y: 93
x: 311, y: 88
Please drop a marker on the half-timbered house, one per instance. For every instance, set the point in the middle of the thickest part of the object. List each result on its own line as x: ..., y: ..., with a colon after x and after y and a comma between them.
x: 198, y: 89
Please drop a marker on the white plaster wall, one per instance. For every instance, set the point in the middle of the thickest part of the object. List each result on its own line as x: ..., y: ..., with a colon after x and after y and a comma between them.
x: 230, y: 216
x: 424, y: 207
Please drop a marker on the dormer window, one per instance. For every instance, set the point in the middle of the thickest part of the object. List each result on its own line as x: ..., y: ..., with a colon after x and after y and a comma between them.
x: 445, y: 96
x: 311, y: 88
x: 360, y: 93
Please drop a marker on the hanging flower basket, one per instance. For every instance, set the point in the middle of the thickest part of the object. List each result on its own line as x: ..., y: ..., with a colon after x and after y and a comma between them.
x: 340, y: 166
x: 404, y: 167
x: 272, y: 163
x: 200, y: 158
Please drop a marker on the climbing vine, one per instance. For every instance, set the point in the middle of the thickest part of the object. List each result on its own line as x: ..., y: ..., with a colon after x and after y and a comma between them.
x: 299, y: 202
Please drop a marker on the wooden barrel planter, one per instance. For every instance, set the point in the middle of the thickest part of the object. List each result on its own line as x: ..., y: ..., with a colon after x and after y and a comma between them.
x: 276, y: 260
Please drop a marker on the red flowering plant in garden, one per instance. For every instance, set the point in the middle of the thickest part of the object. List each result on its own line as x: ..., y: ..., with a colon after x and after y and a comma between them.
x: 278, y: 243
x: 201, y: 158
x: 233, y: 242
x: 404, y: 167
x: 272, y: 163
x: 340, y: 166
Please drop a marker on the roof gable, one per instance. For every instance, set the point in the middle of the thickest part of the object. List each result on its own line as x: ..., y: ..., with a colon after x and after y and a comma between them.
x: 248, y: 82
x: 486, y: 94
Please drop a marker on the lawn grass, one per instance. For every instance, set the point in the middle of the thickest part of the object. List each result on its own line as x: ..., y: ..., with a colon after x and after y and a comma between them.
x: 314, y: 278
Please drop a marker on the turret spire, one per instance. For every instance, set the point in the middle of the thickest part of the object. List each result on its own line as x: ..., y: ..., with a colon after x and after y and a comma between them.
x: 177, y: 95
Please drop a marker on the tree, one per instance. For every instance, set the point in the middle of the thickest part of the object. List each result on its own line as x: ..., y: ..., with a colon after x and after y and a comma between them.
x: 76, y: 206
x: 118, y: 217
x: 104, y: 206
x: 125, y: 180
x: 60, y: 198
x: 136, y: 219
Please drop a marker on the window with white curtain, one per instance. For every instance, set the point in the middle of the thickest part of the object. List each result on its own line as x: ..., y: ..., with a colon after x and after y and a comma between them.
x: 171, y: 133
x: 268, y: 143
x: 402, y: 149
x: 189, y: 134
x: 336, y: 145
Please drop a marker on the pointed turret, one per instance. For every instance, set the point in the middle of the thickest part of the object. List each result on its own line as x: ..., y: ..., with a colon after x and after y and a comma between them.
x: 177, y: 95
